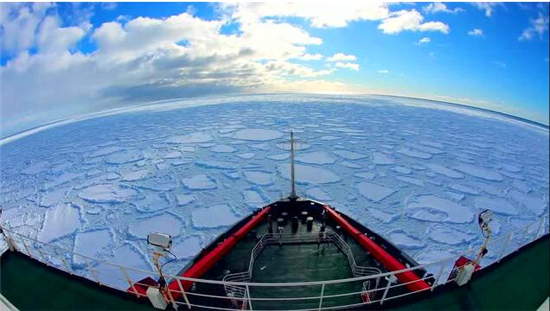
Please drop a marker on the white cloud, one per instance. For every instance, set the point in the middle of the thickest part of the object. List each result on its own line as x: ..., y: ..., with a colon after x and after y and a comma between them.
x: 352, y: 66
x: 488, y: 7
x: 144, y: 59
x: 537, y: 26
x: 500, y: 64
x: 410, y: 20
x: 308, y: 57
x: 319, y: 14
x: 341, y: 57
x: 423, y: 41
x: 476, y: 32
x: 438, y: 7
x: 19, y: 23
x: 383, y: 71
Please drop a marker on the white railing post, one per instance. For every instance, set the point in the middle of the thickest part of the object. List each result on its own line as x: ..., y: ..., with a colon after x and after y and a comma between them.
x: 174, y: 304
x: 25, y: 245
x: 436, y: 281
x: 249, y: 297
x: 508, y: 237
x: 92, y: 271
x: 9, y: 240
x: 523, y: 236
x: 64, y: 261
x: 129, y: 280
x: 42, y: 256
x: 183, y: 293
x: 391, y: 279
x: 321, y: 297
x: 541, y: 222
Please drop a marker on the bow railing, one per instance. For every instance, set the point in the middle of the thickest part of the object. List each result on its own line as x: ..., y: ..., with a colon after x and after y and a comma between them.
x: 122, y: 277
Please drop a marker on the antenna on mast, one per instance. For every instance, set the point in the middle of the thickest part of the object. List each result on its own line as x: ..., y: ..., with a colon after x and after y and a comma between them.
x: 293, y: 147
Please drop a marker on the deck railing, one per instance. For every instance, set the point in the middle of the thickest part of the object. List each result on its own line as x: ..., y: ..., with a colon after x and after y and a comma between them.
x: 281, y: 239
x: 121, y: 277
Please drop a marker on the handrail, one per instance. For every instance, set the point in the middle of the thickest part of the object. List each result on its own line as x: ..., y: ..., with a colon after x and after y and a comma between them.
x: 270, y: 238
x: 59, y: 258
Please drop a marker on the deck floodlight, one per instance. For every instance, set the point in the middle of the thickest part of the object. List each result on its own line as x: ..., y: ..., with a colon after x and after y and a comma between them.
x: 160, y: 240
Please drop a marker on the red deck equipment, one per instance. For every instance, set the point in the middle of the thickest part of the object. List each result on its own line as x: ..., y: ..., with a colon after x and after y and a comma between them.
x: 380, y: 254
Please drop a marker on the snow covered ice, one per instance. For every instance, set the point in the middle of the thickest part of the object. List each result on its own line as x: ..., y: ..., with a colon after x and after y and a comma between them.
x: 417, y: 172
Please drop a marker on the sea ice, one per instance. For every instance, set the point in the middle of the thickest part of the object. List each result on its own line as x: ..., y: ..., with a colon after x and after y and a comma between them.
x: 374, y: 192
x: 497, y: 205
x: 414, y: 153
x: 382, y: 216
x: 259, y: 177
x: 124, y: 157
x: 187, y: 248
x: 220, y: 215
x: 257, y: 134
x: 94, y: 243
x: 318, y: 194
x: 349, y: 164
x: 534, y: 204
x: 365, y: 175
x: 309, y: 174
x: 60, y: 221
x: 254, y: 199
x: 134, y: 175
x: 105, y: 151
x: 442, y: 170
x: 185, y: 199
x: 165, y: 223
x: 405, y: 240
x: 317, y: 157
x: 278, y: 157
x: 432, y: 208
x: 380, y: 158
x: 216, y: 164
x: 479, y: 172
x: 106, y: 193
x: 223, y: 149
x: 192, y: 138
x: 248, y: 155
x: 349, y: 155
x: 450, y: 236
x: 199, y: 182
x: 411, y: 180
x: 54, y: 197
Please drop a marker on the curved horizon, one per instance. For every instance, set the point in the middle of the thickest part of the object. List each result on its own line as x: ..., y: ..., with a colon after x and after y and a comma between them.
x: 149, y: 105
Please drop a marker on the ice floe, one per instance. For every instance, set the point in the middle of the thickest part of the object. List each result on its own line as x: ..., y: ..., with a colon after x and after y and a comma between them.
x: 219, y: 215
x: 165, y: 223
x: 432, y: 208
x: 106, y: 193
x: 257, y: 134
x: 259, y: 177
x: 60, y: 221
x: 192, y: 138
x: 374, y: 192
x: 309, y: 174
x: 199, y: 182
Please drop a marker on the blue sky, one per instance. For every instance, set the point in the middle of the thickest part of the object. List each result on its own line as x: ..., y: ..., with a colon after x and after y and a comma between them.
x: 66, y: 59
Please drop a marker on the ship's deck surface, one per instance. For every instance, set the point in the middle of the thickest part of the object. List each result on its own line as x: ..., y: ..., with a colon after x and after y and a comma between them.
x: 519, y: 282
x: 299, y: 262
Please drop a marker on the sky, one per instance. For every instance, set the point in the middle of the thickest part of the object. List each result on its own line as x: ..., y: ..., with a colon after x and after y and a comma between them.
x: 59, y: 60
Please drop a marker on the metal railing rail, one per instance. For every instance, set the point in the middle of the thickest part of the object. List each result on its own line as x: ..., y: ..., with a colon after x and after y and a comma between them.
x: 122, y: 278
x: 274, y: 238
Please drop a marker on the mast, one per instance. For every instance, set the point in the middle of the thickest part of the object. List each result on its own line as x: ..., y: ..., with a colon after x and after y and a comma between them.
x: 293, y: 187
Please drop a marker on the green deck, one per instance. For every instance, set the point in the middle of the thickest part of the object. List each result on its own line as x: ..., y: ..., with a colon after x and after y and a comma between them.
x: 520, y: 282
x: 292, y: 263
